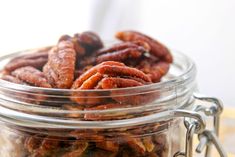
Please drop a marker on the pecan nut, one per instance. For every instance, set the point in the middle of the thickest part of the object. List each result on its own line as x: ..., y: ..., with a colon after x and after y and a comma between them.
x: 107, y: 75
x: 84, y: 43
x: 60, y: 67
x: 36, y: 58
x: 78, y: 149
x: 31, y: 76
x: 157, y: 49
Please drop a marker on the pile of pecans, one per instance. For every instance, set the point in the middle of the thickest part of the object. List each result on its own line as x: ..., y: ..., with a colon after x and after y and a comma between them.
x: 82, y: 62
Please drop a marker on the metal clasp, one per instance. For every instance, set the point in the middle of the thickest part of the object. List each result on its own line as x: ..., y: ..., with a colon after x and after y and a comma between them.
x: 209, y: 137
x: 206, y: 137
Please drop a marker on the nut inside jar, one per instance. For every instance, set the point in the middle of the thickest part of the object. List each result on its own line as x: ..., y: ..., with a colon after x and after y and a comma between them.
x: 80, y: 79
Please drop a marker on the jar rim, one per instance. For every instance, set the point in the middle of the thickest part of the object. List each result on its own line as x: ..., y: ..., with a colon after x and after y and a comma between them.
x: 177, y: 80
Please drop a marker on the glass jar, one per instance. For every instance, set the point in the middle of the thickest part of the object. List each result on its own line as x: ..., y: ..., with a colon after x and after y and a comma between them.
x: 157, y: 120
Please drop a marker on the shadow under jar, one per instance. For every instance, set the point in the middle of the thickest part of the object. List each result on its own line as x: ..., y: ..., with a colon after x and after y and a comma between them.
x: 58, y: 127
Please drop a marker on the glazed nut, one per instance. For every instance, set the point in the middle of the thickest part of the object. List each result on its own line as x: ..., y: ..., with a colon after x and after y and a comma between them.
x: 154, y: 69
x: 12, y: 79
x: 31, y: 76
x: 122, y: 52
x: 60, y: 67
x: 90, y: 40
x: 84, y: 43
x: 36, y: 58
x: 108, y: 145
x: 157, y: 49
x: 110, y: 74
x: 78, y: 148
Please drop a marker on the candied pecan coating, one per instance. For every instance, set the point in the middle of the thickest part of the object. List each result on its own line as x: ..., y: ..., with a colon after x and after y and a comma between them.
x: 101, y: 73
x: 32, y: 143
x: 108, y: 145
x: 136, y: 144
x: 31, y: 76
x: 111, y: 82
x: 123, y: 71
x: 120, y: 52
x: 12, y: 79
x: 84, y: 43
x: 90, y: 40
x: 157, y: 49
x: 60, y: 67
x: 120, y: 55
x: 155, y: 70
x: 77, y: 150
x: 36, y: 59
x: 79, y: 81
x: 47, y: 147
x: 124, y: 45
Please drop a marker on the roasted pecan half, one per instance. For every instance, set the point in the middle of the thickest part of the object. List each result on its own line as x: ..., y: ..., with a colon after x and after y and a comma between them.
x: 60, y: 67
x: 87, y: 135
x: 157, y: 49
x: 43, y: 147
x: 78, y: 149
x: 84, y: 43
x: 153, y: 68
x: 31, y: 76
x: 122, y: 52
x: 12, y: 79
x: 90, y: 41
x: 35, y: 58
x: 24, y: 97
x: 107, y: 75
x: 108, y: 145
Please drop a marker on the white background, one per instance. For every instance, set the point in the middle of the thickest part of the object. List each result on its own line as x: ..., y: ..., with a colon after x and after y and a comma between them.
x: 203, y: 29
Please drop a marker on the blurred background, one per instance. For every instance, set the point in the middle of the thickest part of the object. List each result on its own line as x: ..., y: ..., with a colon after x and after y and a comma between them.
x: 202, y: 29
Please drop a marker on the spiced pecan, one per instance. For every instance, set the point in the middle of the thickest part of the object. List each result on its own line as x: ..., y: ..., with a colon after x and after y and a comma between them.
x: 148, y: 143
x: 12, y: 79
x: 25, y: 97
x: 121, y: 46
x: 108, y: 145
x: 47, y: 147
x: 85, y: 135
x: 84, y: 43
x: 136, y: 144
x: 123, y: 71
x: 122, y: 52
x: 90, y: 40
x: 35, y: 58
x: 77, y: 149
x: 154, y: 69
x: 79, y: 81
x: 103, y: 153
x: 107, y: 75
x: 31, y: 76
x: 60, y: 67
x: 157, y: 49
x: 32, y: 143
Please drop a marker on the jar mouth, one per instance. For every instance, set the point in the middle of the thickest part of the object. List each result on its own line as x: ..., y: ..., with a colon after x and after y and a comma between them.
x: 187, y: 66
x: 175, y: 89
